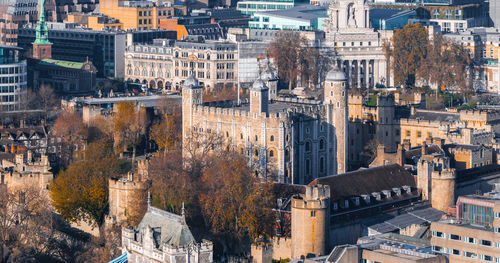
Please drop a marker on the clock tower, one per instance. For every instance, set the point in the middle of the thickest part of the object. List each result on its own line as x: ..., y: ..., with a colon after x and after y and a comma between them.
x: 42, y: 48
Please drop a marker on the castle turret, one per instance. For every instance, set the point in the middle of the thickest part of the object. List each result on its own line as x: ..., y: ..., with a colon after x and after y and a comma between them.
x: 335, y: 97
x: 271, y: 80
x: 259, y: 97
x: 443, y: 189
x: 310, y: 221
x: 192, y: 94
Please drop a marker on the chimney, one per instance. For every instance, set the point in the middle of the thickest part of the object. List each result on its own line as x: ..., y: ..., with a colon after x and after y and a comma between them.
x: 380, y: 154
x: 19, y: 159
x: 424, y: 148
x: 406, y: 144
x: 45, y: 160
x: 29, y: 156
x: 400, y: 153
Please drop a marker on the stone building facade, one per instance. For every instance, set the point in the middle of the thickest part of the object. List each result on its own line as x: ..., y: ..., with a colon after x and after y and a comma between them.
x: 26, y: 170
x: 357, y: 46
x: 289, y: 141
x: 164, y: 237
x: 167, y: 63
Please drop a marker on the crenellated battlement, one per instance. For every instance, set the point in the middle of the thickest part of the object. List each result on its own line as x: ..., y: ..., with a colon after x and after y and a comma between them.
x: 355, y: 99
x: 385, y: 100
x: 445, y: 174
x: 479, y: 115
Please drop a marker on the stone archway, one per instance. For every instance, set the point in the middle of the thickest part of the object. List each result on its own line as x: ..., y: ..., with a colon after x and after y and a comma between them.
x: 160, y: 85
x: 152, y: 84
x: 145, y: 82
x: 137, y: 81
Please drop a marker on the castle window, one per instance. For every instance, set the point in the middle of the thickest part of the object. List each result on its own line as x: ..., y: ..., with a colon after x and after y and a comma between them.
x: 408, y: 133
x: 343, y: 93
x: 386, y: 133
x: 321, y: 144
x: 272, y: 138
x: 271, y: 153
x: 256, y: 153
x: 227, y: 134
x: 331, y: 93
x: 338, y: 104
x: 241, y: 136
x: 308, y: 146
x: 256, y: 138
x: 313, y: 213
x: 307, y: 130
x: 419, y: 134
x: 321, y: 164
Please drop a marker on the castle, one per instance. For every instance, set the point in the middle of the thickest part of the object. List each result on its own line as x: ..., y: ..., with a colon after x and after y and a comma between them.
x: 287, y: 141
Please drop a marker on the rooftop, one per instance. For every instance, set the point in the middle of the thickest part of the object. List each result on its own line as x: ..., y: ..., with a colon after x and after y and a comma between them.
x: 435, y: 116
x: 300, y: 12
x: 418, y: 217
x: 148, y: 101
x: 366, y: 181
x: 62, y: 63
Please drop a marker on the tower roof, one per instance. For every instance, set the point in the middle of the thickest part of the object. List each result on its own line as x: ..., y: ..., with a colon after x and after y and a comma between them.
x: 268, y: 74
x: 335, y: 75
x: 42, y: 32
x: 191, y: 82
x: 259, y: 85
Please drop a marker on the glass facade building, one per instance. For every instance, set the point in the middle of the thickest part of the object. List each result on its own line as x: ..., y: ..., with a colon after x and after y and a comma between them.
x: 13, y: 79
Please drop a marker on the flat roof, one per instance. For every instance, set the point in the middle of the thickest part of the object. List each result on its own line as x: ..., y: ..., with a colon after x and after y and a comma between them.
x: 148, y: 101
x: 300, y: 12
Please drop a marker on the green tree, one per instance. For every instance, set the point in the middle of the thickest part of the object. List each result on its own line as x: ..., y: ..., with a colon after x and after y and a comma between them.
x: 81, y: 191
x: 410, y: 46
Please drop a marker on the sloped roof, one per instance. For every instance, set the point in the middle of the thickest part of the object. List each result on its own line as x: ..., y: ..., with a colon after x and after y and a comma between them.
x: 436, y: 116
x: 366, y: 181
x: 168, y: 228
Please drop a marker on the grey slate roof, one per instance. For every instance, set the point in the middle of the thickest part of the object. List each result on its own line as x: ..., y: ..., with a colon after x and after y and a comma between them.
x: 436, y: 116
x: 420, y: 216
x: 168, y: 228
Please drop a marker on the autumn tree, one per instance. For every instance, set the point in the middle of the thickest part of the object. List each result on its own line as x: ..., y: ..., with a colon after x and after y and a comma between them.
x: 167, y: 172
x: 44, y: 99
x: 129, y: 126
x: 447, y: 65
x: 70, y: 128
x: 410, y: 45
x: 81, y: 191
x: 286, y: 51
x: 234, y: 203
x: 167, y: 133
x: 26, y: 224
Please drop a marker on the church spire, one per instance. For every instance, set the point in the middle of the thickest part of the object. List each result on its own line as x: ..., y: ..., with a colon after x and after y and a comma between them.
x: 42, y: 32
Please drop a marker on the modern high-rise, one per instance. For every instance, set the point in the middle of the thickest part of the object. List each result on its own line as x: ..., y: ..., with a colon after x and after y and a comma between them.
x: 13, y: 77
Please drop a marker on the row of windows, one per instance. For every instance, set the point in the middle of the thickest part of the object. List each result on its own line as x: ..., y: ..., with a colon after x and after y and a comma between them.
x: 12, y: 70
x: 469, y: 240
x: 145, y: 73
x: 144, y: 21
x: 464, y: 253
x: 369, y: 43
x: 12, y: 80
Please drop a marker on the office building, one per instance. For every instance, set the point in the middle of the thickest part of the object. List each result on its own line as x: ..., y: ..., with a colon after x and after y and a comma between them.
x: 13, y: 78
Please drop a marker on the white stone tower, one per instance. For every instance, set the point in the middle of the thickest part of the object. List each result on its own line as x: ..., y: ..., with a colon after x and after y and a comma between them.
x: 310, y: 221
x: 335, y: 99
x: 259, y: 97
x: 271, y: 80
x: 192, y: 94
